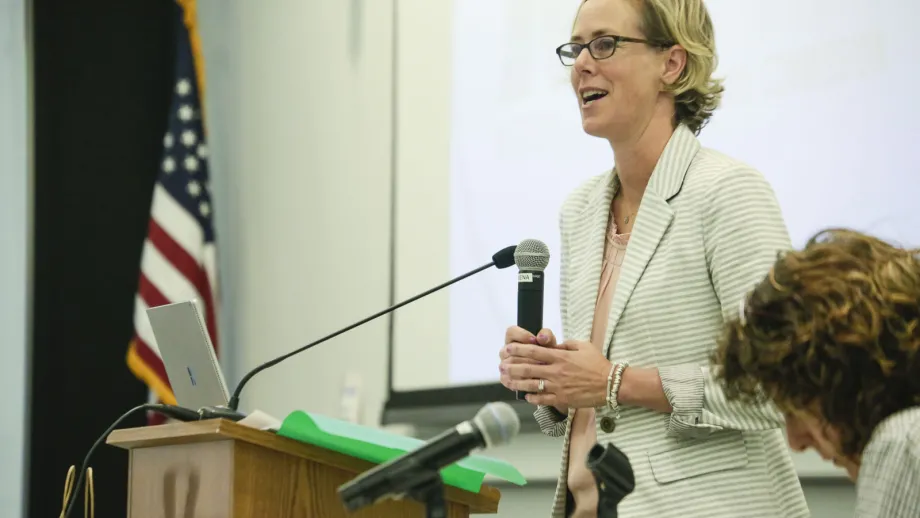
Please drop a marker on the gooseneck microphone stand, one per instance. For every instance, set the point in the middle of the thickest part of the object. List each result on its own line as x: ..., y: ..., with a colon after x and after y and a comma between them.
x: 501, y: 259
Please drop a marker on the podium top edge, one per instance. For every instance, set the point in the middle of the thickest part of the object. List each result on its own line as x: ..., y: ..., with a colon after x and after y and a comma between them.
x: 212, y: 430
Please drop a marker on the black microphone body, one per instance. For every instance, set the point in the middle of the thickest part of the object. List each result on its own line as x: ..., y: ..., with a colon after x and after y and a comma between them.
x: 416, y: 474
x: 400, y: 476
x: 530, y: 301
x: 531, y: 257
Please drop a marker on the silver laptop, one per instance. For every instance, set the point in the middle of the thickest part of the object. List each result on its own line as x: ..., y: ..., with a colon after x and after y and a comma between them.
x: 188, y: 356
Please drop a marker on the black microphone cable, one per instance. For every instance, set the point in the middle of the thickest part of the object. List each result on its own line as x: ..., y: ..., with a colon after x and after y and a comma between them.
x: 176, y: 412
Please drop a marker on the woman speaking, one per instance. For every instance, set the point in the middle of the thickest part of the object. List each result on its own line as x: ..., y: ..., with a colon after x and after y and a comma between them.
x: 655, y: 255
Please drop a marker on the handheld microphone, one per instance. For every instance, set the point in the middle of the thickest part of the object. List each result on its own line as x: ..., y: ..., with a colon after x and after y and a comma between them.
x: 495, y: 424
x: 531, y: 257
x: 614, y: 476
x: 501, y: 259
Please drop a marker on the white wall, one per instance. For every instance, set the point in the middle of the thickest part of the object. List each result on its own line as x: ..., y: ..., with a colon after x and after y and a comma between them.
x: 14, y: 252
x: 300, y: 135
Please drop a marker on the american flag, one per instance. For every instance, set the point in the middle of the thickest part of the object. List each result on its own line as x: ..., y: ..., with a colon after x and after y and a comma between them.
x: 179, y: 257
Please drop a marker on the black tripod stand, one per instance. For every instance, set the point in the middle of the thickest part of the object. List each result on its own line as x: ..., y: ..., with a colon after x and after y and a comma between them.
x: 430, y: 492
x: 411, y: 479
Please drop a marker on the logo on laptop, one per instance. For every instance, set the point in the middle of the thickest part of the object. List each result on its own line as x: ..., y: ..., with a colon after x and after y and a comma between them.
x: 190, y: 375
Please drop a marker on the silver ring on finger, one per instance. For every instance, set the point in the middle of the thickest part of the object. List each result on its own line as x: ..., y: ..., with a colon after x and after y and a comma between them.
x: 541, y: 386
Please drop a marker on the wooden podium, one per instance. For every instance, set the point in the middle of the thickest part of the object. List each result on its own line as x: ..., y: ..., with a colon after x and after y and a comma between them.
x: 221, y: 469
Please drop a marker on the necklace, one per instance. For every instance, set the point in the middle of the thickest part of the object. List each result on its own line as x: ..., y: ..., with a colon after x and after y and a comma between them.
x: 629, y: 217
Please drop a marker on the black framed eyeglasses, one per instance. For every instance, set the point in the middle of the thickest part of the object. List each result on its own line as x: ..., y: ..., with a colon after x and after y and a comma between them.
x: 601, y: 47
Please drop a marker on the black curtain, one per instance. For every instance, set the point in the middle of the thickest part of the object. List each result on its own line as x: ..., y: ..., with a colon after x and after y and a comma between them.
x: 102, y: 86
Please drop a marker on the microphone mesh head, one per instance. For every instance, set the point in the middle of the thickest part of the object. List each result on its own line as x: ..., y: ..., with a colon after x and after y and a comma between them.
x: 532, y: 255
x: 498, y: 423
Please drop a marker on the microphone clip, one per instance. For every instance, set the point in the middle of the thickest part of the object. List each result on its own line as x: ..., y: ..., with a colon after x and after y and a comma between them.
x: 219, y: 412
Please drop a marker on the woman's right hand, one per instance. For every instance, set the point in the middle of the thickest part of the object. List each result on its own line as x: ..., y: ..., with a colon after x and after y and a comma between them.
x: 515, y: 334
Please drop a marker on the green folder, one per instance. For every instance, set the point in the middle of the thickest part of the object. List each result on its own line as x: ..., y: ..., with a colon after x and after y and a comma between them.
x: 378, y: 446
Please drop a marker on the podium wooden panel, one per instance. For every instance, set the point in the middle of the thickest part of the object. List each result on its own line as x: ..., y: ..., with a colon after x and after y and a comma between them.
x: 221, y: 469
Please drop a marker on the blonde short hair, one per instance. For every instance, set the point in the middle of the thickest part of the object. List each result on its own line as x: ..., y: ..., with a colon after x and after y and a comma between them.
x: 686, y: 22
x: 697, y: 93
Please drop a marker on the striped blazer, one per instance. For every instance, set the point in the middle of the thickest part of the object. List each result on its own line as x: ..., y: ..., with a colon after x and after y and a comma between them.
x: 707, y: 230
x: 888, y: 485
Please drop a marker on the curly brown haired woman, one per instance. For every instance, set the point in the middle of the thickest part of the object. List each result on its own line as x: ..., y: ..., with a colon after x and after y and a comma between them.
x: 832, y: 336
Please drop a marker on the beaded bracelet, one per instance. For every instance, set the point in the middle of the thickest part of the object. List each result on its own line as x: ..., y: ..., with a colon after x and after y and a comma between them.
x: 610, y: 375
x: 613, y: 386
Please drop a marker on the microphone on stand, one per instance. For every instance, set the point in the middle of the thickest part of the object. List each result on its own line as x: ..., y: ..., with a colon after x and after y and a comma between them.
x: 531, y: 257
x: 614, y: 476
x: 416, y: 474
x: 501, y: 259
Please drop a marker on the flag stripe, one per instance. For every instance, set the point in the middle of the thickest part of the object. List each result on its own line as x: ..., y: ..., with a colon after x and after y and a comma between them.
x: 146, y: 366
x: 142, y: 327
x: 150, y: 295
x: 165, y: 277
x: 209, y: 262
x: 176, y: 221
x: 187, y: 266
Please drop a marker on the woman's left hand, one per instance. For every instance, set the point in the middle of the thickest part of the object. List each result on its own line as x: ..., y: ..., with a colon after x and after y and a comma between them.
x: 574, y: 374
